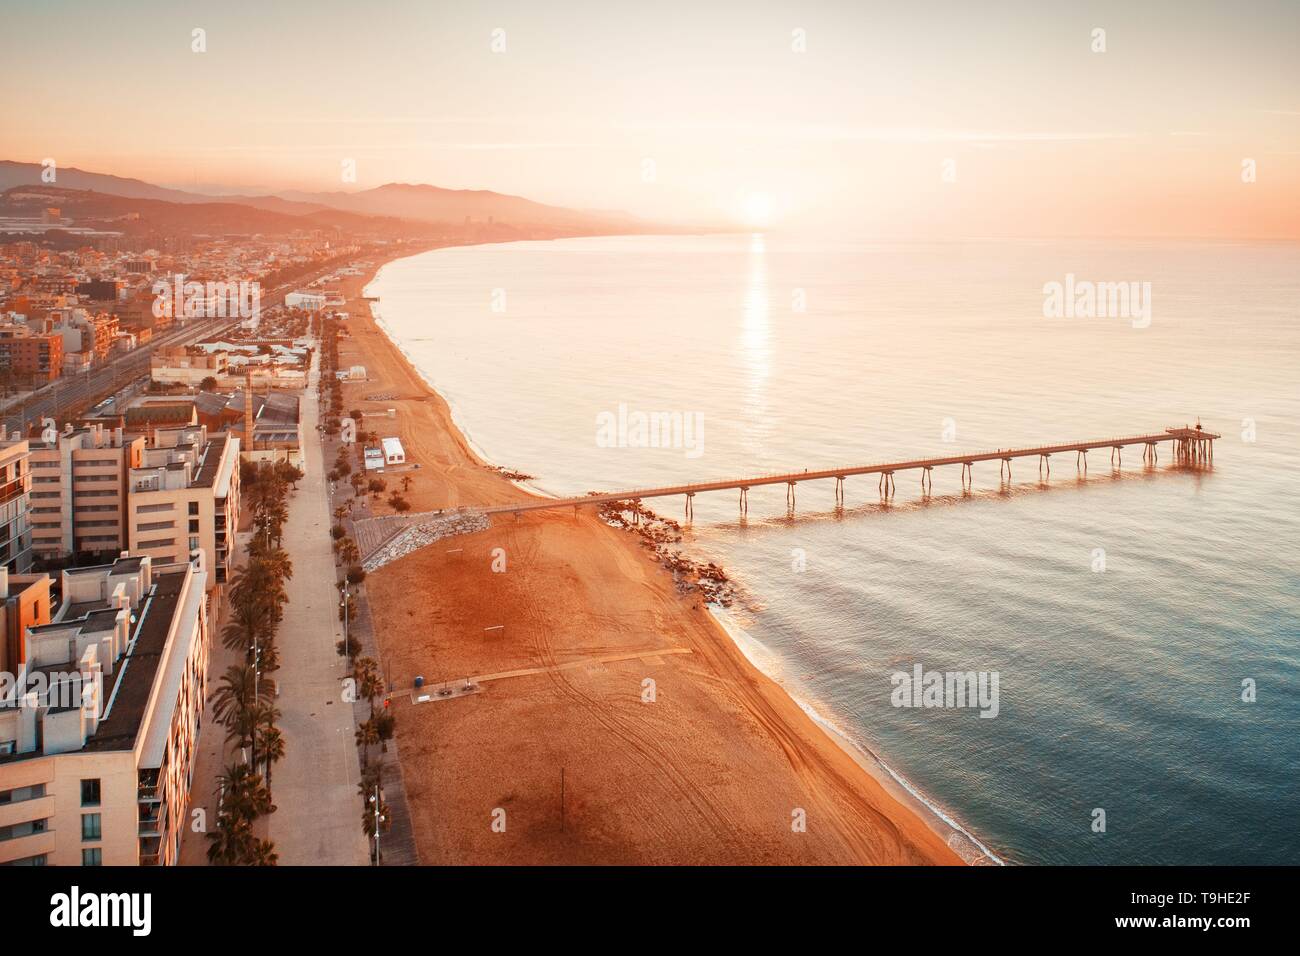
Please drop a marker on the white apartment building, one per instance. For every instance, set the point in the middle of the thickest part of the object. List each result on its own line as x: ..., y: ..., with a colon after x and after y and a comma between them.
x: 183, y: 500
x: 98, y: 732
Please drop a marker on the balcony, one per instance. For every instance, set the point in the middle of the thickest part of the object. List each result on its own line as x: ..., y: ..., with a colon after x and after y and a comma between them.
x: 147, y: 789
x: 150, y: 851
x: 33, y: 844
x: 12, y: 490
x: 20, y: 811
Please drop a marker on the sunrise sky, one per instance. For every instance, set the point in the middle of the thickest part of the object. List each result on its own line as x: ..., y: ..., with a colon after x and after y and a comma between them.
x: 1044, y: 136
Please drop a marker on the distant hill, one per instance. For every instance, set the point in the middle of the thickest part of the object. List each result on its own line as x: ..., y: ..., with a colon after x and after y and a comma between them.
x: 454, y: 206
x: 138, y: 216
x: 420, y: 203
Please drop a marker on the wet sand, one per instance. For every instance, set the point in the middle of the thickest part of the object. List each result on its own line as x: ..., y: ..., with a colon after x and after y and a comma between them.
x: 573, y: 756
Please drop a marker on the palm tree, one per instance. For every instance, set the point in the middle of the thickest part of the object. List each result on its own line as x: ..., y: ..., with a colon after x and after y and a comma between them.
x: 349, y: 553
x: 367, y: 736
x: 271, y: 746
x: 235, y: 695
x: 261, y: 853
x: 406, y: 482
x: 228, y: 840
x: 243, y: 799
x: 369, y: 684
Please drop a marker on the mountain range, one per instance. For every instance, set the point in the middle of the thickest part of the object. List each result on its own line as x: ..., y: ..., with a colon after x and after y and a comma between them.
x: 399, y: 201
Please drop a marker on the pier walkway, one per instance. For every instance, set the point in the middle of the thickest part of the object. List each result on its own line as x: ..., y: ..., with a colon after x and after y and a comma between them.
x: 1191, y: 446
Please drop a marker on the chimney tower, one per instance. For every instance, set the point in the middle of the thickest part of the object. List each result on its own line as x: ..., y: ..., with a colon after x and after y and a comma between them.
x: 249, y: 422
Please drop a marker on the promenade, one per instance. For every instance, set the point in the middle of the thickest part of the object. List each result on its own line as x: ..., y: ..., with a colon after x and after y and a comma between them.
x: 318, y: 815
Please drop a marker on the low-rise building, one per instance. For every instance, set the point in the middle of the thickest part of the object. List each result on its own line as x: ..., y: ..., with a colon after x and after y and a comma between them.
x: 179, y: 365
x: 394, y: 453
x: 309, y: 301
x: 277, y: 423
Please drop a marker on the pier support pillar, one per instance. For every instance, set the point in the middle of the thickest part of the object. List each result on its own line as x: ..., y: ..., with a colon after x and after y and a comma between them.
x: 744, y: 501
x: 690, y: 505
x: 967, y: 474
x: 789, y: 495
x: 1045, y: 460
x: 839, y: 491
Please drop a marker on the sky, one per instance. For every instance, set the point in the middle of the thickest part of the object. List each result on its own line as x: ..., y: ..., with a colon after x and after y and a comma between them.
x: 926, y: 119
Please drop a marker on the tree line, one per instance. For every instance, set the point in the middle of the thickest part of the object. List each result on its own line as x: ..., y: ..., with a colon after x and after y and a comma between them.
x: 244, y: 701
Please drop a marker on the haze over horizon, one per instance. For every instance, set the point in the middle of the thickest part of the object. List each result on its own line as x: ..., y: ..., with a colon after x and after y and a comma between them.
x: 991, y: 123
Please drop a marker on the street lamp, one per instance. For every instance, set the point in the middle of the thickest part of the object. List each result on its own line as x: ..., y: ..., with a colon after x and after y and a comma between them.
x: 378, y: 820
x: 346, y: 645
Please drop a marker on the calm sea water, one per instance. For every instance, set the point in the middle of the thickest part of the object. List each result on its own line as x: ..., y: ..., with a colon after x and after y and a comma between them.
x: 1119, y: 689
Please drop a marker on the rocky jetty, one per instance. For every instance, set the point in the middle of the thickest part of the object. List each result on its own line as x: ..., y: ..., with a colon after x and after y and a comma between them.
x: 422, y: 532
x: 658, y: 535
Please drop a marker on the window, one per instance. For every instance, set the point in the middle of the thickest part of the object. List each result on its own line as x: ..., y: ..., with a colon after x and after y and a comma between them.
x: 194, y: 507
x: 194, y: 526
x: 92, y: 856
x: 90, y: 826
x: 90, y: 793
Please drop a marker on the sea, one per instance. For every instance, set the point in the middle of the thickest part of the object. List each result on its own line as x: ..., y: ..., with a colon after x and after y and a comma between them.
x: 1141, y: 619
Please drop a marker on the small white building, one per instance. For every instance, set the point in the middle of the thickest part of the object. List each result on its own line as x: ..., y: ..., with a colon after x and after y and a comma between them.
x: 311, y: 301
x: 374, y: 459
x: 394, y: 454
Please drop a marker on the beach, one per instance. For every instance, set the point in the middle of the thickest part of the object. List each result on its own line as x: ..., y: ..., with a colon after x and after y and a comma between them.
x: 668, y: 745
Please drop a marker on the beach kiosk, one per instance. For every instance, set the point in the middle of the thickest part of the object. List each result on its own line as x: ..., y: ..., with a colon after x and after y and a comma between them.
x: 394, y: 454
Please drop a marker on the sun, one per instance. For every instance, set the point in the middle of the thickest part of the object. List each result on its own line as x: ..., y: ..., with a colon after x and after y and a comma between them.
x: 757, y: 209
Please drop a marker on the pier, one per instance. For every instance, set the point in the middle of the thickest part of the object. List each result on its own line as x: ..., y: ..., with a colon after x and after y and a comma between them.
x: 387, y: 537
x: 1189, y: 445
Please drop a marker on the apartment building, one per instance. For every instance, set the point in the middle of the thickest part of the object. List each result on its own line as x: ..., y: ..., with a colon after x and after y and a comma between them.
x: 79, y: 490
x: 15, y: 486
x: 24, y: 602
x: 28, y: 357
x: 98, y: 732
x: 184, y: 499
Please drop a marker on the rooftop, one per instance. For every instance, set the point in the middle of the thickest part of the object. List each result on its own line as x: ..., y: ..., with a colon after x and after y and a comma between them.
x: 129, y: 697
x: 207, y: 475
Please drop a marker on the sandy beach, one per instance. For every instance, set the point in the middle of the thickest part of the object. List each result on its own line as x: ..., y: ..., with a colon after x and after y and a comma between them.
x: 719, y: 767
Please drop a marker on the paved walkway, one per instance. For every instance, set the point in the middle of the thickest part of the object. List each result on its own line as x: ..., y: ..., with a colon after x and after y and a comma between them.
x: 318, y: 820
x: 212, y: 754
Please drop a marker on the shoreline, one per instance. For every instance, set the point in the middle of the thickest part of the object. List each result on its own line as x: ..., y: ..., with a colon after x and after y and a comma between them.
x: 902, y: 805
